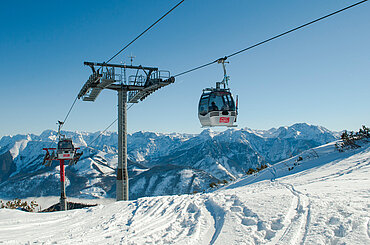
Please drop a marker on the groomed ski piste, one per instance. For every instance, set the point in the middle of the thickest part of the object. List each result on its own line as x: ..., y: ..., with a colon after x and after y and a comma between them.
x: 321, y: 196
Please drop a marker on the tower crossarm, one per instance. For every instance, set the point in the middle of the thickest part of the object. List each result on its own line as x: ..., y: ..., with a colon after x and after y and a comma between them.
x: 152, y: 85
x: 93, y: 81
x: 121, y: 66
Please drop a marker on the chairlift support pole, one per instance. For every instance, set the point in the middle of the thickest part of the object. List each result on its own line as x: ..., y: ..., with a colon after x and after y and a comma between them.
x: 63, y: 197
x: 101, y: 80
x: 48, y: 160
x: 122, y: 172
x: 72, y: 155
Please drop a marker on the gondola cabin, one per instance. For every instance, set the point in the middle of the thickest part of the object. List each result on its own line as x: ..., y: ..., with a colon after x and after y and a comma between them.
x: 65, y: 149
x: 217, y: 108
x: 216, y: 105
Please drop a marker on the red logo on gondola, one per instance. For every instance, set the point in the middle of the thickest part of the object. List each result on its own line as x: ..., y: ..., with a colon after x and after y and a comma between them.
x: 66, y: 155
x: 224, y: 119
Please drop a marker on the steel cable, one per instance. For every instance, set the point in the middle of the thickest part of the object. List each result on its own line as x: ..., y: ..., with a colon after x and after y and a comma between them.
x: 74, y: 102
x: 145, y: 31
x: 272, y: 38
x: 110, y: 125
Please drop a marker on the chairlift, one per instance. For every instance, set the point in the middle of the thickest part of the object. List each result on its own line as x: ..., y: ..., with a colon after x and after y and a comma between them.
x: 65, y: 150
x: 49, y: 157
x: 216, y: 105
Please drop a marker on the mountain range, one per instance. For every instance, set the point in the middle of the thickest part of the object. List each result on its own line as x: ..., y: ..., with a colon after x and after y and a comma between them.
x: 159, y: 163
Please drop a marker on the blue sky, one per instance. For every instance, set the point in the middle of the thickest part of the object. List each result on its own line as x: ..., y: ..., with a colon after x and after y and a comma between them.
x: 319, y: 75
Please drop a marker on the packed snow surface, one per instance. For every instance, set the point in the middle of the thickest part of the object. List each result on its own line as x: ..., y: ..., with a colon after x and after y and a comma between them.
x: 321, y: 196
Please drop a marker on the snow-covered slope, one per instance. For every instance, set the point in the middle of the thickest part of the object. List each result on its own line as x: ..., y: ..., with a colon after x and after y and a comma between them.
x: 321, y: 196
x: 159, y: 163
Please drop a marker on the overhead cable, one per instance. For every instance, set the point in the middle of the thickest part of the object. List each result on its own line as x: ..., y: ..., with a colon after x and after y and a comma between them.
x: 65, y: 119
x: 69, y: 111
x: 102, y: 132
x: 147, y: 29
x: 272, y: 38
x: 110, y: 125
x: 128, y: 46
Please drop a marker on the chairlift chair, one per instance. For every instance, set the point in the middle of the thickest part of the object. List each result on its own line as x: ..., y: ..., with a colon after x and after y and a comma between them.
x: 48, y: 159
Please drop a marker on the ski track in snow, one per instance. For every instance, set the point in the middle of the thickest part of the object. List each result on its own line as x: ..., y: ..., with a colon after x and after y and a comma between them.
x: 298, y: 218
x: 360, y: 163
x: 325, y: 204
x: 218, y: 215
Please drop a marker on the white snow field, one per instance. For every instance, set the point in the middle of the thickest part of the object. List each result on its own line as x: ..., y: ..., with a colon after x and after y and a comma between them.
x: 324, y: 199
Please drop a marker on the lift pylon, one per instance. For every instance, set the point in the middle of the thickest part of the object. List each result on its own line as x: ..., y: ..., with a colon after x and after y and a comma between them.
x: 64, y: 151
x: 146, y: 81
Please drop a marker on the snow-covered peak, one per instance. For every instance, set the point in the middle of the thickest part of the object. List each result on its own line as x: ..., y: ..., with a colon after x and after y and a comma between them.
x: 208, y: 133
x: 19, y: 146
x: 48, y: 135
x: 298, y: 130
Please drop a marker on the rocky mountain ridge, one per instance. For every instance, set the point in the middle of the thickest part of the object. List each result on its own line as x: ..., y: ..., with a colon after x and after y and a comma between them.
x: 159, y: 163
